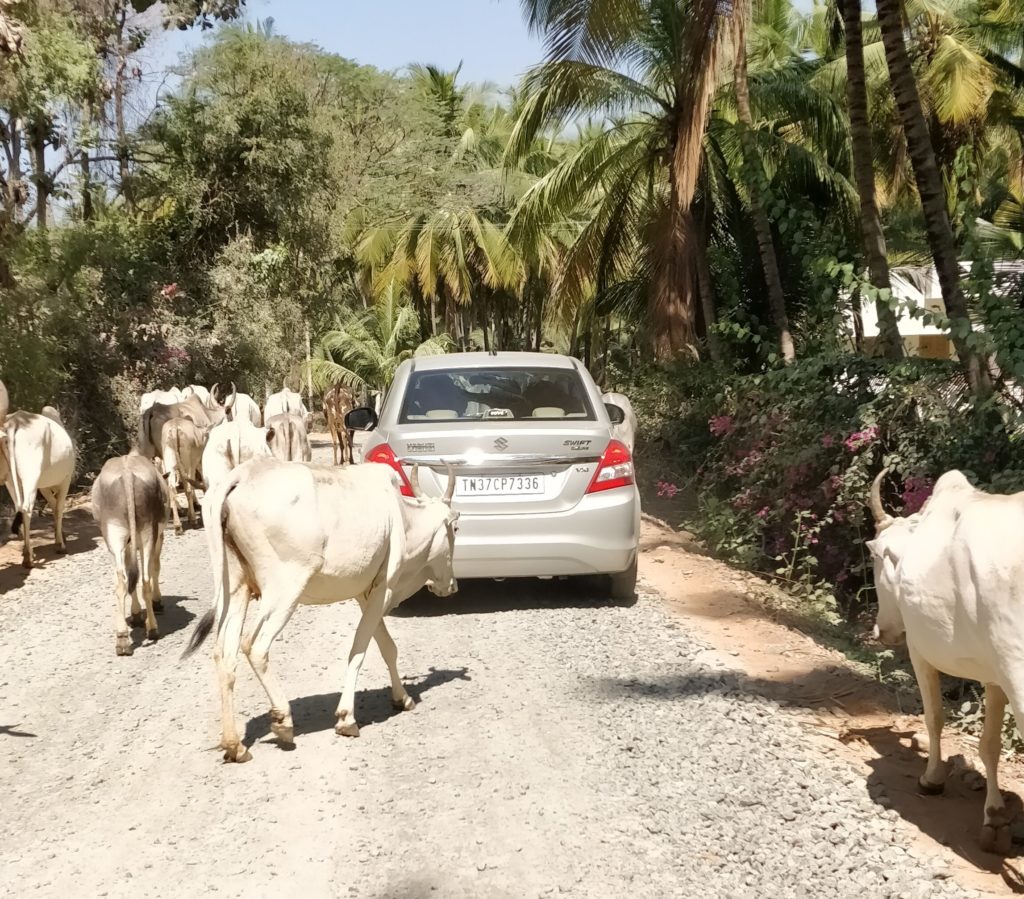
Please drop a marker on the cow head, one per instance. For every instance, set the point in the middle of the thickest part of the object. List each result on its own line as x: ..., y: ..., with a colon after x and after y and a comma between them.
x: 443, y: 524
x: 886, y: 551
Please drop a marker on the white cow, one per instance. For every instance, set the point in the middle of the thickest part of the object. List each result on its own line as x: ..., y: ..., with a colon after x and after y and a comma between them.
x: 244, y: 408
x: 167, y: 397
x: 626, y: 431
x: 200, y: 392
x: 288, y: 439
x: 37, y: 454
x: 183, y: 442
x: 291, y: 533
x: 129, y: 505
x: 287, y: 401
x: 950, y: 579
x: 229, y: 445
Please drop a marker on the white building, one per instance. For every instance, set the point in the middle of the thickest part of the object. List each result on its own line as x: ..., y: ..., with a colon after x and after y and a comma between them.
x: 918, y: 287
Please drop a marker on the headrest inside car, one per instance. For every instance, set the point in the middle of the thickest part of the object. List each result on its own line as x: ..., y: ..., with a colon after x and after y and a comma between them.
x: 548, y: 412
x: 442, y: 413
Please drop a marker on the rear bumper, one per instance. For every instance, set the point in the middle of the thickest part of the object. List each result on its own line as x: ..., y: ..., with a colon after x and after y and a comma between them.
x: 599, y: 536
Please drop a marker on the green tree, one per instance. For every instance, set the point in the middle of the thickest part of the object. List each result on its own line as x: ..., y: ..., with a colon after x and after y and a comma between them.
x: 653, y: 58
x: 368, y: 345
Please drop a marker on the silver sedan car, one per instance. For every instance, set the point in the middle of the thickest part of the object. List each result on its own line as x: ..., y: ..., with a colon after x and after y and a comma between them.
x: 542, y: 488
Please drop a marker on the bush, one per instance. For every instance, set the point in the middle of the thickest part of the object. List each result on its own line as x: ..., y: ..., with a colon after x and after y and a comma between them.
x: 782, y: 461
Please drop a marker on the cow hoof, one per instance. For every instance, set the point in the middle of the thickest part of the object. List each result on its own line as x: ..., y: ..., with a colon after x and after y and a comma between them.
x: 136, y: 619
x: 153, y: 635
x: 930, y: 789
x: 285, y: 733
x: 125, y: 648
x: 158, y: 606
x: 61, y: 550
x: 26, y: 563
x: 237, y: 754
x: 405, y: 704
x: 347, y: 729
x: 996, y: 839
x: 178, y: 530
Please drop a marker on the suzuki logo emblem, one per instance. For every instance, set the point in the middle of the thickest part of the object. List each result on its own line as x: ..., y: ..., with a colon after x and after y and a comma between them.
x: 501, y: 444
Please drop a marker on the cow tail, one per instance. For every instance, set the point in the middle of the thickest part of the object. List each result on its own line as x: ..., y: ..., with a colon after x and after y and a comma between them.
x: 289, y: 436
x: 15, y: 483
x: 132, y: 550
x: 215, y: 516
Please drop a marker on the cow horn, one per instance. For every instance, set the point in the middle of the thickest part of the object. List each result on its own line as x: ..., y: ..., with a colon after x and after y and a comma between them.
x: 414, y: 482
x: 213, y: 393
x: 882, y: 518
x: 450, y: 492
x: 234, y: 394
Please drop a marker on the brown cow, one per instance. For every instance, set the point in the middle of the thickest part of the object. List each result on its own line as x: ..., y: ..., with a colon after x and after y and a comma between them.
x: 339, y: 400
x: 128, y: 503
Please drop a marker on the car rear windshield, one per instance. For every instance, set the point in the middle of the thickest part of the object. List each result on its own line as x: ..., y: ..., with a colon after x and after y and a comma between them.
x: 496, y: 394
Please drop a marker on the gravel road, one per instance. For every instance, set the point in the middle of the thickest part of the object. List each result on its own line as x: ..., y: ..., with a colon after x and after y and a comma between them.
x: 561, y: 745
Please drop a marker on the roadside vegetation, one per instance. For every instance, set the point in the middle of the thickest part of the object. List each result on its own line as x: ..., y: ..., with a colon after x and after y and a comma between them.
x: 692, y: 196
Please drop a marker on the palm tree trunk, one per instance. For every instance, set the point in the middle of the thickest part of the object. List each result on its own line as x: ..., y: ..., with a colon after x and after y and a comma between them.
x: 890, y: 342
x: 119, y: 96
x: 706, y: 288
x: 762, y: 226
x: 930, y: 189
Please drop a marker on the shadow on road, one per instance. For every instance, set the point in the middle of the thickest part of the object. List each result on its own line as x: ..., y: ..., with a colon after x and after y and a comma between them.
x: 952, y: 819
x: 80, y: 535
x: 175, y: 618
x: 313, y: 714
x: 476, y: 597
x: 11, y: 730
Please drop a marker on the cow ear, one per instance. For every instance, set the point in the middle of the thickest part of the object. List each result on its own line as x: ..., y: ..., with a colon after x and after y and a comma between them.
x: 270, y: 434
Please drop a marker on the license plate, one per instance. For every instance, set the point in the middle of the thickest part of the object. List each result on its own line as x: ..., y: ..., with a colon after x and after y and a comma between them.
x: 500, y: 485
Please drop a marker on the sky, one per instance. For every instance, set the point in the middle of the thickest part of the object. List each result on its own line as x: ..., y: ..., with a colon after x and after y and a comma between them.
x: 488, y: 36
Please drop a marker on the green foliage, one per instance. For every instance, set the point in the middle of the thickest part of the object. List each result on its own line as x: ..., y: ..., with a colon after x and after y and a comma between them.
x: 783, y: 460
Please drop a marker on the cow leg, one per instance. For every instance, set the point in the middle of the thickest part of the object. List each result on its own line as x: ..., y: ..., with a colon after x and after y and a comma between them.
x: 172, y: 497
x: 995, y: 831
x: 153, y: 568
x: 123, y: 640
x: 56, y: 499
x: 934, y: 778
x: 225, y: 654
x: 146, y: 586
x: 190, y: 498
x: 369, y: 621
x: 400, y: 699
x: 274, y: 615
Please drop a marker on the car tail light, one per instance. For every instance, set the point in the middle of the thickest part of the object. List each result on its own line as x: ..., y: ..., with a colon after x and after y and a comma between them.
x: 386, y: 456
x: 614, y: 470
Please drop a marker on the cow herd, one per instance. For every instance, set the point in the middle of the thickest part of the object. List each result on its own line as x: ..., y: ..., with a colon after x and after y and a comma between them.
x: 252, y: 466
x: 280, y: 531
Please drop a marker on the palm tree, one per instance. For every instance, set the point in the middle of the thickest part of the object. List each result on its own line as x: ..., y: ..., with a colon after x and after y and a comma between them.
x: 930, y: 189
x: 655, y: 60
x: 366, y: 347
x: 864, y: 173
x: 762, y: 225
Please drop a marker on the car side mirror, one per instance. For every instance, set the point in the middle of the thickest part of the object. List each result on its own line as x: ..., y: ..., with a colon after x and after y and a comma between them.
x: 362, y: 418
x: 615, y: 413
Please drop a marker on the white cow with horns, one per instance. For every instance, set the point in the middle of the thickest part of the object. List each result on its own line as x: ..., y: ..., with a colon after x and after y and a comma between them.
x: 346, y: 532
x: 950, y: 579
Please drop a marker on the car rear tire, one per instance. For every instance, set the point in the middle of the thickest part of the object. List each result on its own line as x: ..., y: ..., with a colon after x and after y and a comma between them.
x: 623, y: 584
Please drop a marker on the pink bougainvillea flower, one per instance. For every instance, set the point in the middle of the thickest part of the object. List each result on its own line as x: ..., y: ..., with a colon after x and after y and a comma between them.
x: 667, y: 489
x: 720, y: 425
x: 860, y: 439
x: 169, y: 291
x: 915, y: 493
